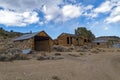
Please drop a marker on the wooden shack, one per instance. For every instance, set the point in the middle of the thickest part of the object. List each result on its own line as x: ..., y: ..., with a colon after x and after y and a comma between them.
x: 66, y: 39
x: 100, y: 43
x: 39, y: 41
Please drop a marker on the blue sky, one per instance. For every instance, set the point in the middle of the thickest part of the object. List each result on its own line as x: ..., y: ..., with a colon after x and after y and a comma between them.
x: 102, y: 17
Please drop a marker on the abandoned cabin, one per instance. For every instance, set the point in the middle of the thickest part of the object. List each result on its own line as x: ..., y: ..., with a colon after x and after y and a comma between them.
x: 101, y: 43
x: 66, y: 39
x: 39, y: 41
x: 106, y: 41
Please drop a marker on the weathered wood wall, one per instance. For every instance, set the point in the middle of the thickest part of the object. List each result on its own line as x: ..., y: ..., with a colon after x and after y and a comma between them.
x: 101, y: 45
x: 63, y: 40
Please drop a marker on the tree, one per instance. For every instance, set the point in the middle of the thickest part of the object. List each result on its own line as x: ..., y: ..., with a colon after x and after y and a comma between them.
x: 83, y: 32
x: 11, y: 31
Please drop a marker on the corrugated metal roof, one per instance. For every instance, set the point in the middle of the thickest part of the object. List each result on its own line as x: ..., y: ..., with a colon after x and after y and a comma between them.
x: 26, y: 36
x: 100, y: 41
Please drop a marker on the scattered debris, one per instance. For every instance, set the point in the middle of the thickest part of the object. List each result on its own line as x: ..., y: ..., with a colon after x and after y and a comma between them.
x: 26, y: 51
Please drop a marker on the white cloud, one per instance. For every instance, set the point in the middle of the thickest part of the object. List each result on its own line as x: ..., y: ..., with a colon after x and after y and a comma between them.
x: 113, y: 19
x: 106, y: 28
x: 24, y: 11
x: 64, y: 13
x: 51, y: 12
x: 11, y: 18
x: 104, y: 7
x: 114, y: 16
x: 89, y: 7
x: 111, y: 7
x: 71, y: 11
x: 27, y: 5
x: 49, y: 17
x: 20, y: 7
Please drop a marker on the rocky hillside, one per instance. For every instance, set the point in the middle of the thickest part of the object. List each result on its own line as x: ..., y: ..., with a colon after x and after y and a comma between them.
x: 8, y: 34
x: 6, y: 39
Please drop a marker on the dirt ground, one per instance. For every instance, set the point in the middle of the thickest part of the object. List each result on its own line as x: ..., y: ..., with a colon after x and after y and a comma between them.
x: 101, y: 66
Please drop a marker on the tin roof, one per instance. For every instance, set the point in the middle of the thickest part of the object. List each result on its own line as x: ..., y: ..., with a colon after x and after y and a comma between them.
x: 26, y: 36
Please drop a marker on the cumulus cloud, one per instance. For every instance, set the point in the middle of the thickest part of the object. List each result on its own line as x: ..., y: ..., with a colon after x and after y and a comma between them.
x: 27, y: 5
x: 55, y: 10
x: 11, y: 18
x: 24, y: 12
x: 64, y: 13
x: 71, y: 11
x: 51, y: 12
x: 104, y: 7
x: 114, y: 16
x: 20, y: 18
x: 110, y: 7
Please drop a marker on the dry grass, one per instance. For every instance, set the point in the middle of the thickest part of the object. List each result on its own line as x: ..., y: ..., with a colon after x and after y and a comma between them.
x: 8, y: 57
x: 118, y: 50
x: 20, y: 57
x: 81, y: 53
x: 95, y: 51
x: 43, y: 53
x: 74, y: 55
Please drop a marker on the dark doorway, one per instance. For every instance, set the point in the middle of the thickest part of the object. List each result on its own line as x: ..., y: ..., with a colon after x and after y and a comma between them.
x: 98, y: 43
x: 41, y: 43
x: 68, y: 40
x: 85, y: 40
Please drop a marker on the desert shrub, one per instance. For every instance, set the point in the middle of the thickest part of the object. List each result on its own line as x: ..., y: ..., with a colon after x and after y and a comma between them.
x: 42, y: 58
x: 82, y: 49
x: 118, y: 50
x: 81, y: 53
x: 57, y: 58
x: 20, y: 57
x: 6, y: 57
x: 55, y: 78
x: 43, y: 54
x: 95, y: 51
x: 14, y: 51
x: 100, y: 50
x: 57, y: 54
x: 89, y: 54
x: 62, y: 49
x: 49, y: 58
x: 74, y: 55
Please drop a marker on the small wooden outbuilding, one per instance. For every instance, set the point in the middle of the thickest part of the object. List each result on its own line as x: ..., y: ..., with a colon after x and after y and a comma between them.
x: 66, y: 39
x: 39, y: 41
x: 100, y: 43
